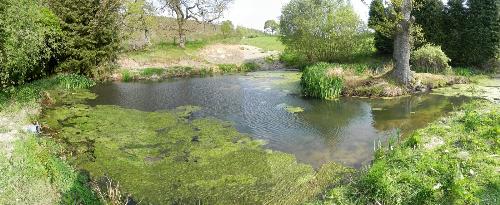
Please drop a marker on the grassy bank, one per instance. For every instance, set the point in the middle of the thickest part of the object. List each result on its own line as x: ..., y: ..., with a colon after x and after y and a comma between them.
x: 127, y: 75
x: 452, y: 161
x: 329, y: 81
x: 33, y: 171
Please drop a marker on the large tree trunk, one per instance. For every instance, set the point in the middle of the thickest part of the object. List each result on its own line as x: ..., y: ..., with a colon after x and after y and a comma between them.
x: 402, y: 46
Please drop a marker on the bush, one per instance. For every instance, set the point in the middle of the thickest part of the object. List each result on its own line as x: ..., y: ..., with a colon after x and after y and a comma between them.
x: 327, y: 30
x: 228, y: 68
x: 28, y: 46
x: 430, y: 59
x: 317, y: 83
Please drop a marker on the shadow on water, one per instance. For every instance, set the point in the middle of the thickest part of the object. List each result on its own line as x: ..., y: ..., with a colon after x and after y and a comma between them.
x: 342, y: 131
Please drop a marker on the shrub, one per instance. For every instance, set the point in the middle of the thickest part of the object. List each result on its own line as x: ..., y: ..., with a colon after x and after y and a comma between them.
x: 317, y: 83
x: 430, y: 59
x: 28, y: 46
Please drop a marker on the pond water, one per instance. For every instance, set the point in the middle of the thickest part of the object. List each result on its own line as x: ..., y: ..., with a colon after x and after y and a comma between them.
x: 258, y: 104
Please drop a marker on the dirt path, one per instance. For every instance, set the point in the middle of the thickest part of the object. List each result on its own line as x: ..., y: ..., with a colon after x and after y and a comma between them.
x: 213, y: 55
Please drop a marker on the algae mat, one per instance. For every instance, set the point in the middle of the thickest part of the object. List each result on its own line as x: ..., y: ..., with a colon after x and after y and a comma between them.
x: 166, y: 158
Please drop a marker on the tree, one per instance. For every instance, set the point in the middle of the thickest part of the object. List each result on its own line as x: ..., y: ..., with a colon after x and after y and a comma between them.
x: 91, y: 35
x: 138, y: 18
x: 199, y: 10
x: 381, y: 23
x: 482, y: 31
x: 227, y: 28
x: 455, y: 21
x: 402, y: 47
x: 326, y: 30
x: 430, y: 17
x: 271, y: 26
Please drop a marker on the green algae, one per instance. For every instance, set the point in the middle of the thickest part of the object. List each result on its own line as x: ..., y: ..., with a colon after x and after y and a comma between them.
x: 287, y: 81
x: 164, y: 158
x: 485, y: 88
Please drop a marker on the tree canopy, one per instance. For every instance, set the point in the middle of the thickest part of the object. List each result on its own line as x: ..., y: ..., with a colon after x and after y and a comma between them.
x: 321, y: 30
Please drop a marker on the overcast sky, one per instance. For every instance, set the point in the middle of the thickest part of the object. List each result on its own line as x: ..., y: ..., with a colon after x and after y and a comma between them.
x: 253, y: 13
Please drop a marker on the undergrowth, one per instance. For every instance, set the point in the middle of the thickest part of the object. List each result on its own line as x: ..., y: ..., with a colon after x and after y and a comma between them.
x: 316, y: 83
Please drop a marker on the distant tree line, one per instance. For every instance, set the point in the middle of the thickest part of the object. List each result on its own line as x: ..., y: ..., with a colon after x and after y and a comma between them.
x: 467, y: 31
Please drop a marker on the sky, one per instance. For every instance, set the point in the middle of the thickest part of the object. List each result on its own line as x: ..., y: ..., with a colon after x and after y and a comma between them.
x: 254, y: 13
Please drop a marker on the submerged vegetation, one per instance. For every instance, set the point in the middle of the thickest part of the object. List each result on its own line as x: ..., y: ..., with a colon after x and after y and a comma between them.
x: 198, y: 161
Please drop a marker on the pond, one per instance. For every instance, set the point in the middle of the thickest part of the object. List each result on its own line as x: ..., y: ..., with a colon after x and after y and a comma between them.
x: 268, y: 106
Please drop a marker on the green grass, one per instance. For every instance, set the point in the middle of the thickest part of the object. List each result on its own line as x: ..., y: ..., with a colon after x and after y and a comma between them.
x: 32, y: 92
x: 152, y: 71
x: 166, y: 52
x: 34, y: 175
x: 452, y: 161
x: 316, y: 83
x: 267, y: 43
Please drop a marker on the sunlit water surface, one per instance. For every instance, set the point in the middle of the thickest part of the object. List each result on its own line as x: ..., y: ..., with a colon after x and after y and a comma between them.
x: 343, y: 131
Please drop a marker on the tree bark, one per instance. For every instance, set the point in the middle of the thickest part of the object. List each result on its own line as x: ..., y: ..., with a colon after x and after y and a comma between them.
x: 402, y: 46
x: 182, y: 34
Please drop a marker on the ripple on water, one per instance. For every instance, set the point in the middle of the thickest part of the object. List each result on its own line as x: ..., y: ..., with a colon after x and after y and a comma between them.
x: 344, y: 130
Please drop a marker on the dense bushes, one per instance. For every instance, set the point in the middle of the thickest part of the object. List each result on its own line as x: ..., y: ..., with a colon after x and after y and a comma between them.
x: 323, y: 30
x: 430, y: 59
x: 30, y: 38
x: 317, y: 81
x: 38, y: 39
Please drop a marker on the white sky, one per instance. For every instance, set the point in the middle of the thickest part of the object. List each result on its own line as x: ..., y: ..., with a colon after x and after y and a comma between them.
x: 254, y: 13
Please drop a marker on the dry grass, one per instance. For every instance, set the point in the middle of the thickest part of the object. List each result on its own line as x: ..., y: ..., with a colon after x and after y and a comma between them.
x: 111, y: 193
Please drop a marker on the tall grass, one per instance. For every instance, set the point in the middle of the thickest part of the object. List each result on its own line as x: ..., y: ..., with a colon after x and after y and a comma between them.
x: 316, y: 83
x: 33, y: 91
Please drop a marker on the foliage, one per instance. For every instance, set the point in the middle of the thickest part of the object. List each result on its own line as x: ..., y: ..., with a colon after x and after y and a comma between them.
x: 91, y: 35
x: 482, y: 32
x: 249, y: 67
x: 430, y: 59
x: 380, y: 21
x: 228, y: 68
x: 322, y: 30
x: 271, y: 26
x: 316, y: 82
x: 34, y: 91
x: 429, y: 15
x: 137, y: 22
x: 30, y: 38
x: 227, y: 28
x: 152, y: 71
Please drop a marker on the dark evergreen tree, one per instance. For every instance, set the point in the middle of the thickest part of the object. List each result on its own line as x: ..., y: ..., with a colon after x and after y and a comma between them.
x: 454, y: 24
x: 91, y: 35
x: 482, y: 31
x: 430, y: 16
x: 378, y: 21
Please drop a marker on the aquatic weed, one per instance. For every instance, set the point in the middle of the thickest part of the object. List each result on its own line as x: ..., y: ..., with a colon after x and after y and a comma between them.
x: 316, y: 83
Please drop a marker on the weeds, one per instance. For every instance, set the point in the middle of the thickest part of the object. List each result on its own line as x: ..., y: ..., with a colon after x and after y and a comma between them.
x: 111, y: 194
x: 316, y: 83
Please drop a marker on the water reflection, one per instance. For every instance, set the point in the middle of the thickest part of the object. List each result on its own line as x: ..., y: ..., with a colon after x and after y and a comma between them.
x: 342, y: 131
